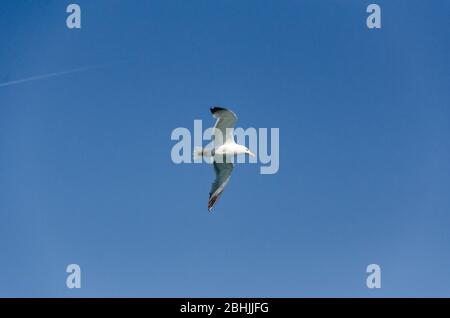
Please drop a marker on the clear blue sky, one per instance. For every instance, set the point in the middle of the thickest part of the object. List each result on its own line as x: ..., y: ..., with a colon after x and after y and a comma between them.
x: 85, y: 169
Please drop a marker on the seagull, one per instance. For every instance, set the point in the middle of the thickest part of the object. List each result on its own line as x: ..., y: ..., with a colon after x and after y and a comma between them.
x: 223, y: 152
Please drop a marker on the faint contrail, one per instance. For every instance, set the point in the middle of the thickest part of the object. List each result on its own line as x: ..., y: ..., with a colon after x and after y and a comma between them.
x: 44, y: 76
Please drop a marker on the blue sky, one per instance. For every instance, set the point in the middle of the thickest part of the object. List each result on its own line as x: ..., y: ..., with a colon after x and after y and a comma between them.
x: 86, y: 175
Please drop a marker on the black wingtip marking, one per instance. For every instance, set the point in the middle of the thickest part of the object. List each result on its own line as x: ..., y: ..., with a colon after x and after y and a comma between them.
x: 216, y: 109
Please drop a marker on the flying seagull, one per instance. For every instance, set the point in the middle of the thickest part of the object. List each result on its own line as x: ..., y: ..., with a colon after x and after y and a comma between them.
x: 224, y: 149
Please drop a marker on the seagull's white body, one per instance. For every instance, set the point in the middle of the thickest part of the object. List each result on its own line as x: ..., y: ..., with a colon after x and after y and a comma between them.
x: 224, y: 148
x: 229, y: 149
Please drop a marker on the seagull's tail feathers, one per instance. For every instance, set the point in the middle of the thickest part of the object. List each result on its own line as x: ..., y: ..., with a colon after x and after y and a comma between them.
x: 198, y: 152
x: 201, y: 152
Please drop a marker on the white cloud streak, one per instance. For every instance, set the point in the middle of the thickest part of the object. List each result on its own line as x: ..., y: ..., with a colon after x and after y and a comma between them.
x: 49, y: 75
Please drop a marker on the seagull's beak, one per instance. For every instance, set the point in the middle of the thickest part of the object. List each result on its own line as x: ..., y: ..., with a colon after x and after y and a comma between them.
x: 251, y: 154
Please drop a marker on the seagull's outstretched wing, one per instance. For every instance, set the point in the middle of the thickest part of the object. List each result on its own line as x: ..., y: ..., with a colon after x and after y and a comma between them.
x: 225, y: 119
x: 223, y: 174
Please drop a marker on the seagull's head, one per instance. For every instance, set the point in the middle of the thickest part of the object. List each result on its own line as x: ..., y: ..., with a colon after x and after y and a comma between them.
x: 247, y: 151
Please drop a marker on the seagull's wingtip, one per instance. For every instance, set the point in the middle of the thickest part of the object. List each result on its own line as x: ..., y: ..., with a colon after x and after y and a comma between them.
x: 215, y: 109
x: 212, y: 200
